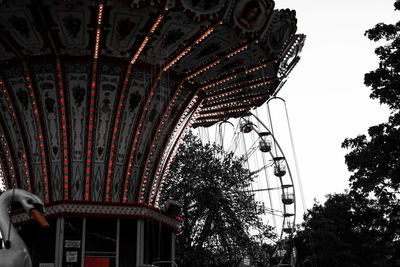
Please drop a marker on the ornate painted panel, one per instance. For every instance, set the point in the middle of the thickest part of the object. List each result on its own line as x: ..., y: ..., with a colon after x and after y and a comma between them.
x: 125, y: 29
x: 217, y: 43
x: 18, y: 22
x: 15, y: 140
x: 136, y: 94
x: 45, y: 78
x: 71, y: 23
x: 77, y: 84
x: 109, y: 80
x: 16, y: 82
x: 175, y: 33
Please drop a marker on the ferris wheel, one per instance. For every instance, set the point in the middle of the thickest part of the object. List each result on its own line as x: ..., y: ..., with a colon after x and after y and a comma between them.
x: 250, y: 138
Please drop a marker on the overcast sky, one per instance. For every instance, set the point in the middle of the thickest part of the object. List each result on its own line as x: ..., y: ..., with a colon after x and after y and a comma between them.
x: 325, y: 94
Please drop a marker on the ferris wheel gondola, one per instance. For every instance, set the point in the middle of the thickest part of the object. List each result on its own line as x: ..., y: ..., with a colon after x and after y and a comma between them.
x: 254, y: 142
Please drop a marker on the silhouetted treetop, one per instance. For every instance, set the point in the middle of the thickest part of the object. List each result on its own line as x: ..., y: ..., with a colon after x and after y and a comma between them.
x: 374, y: 160
x: 385, y: 81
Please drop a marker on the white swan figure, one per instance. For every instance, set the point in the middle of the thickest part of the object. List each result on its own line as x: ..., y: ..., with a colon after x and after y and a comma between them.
x: 17, y: 254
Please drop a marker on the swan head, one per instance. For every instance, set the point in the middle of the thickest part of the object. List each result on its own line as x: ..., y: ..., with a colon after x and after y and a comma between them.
x: 33, y: 205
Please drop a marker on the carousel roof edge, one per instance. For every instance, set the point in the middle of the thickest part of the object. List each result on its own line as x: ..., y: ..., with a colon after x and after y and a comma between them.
x: 116, y: 210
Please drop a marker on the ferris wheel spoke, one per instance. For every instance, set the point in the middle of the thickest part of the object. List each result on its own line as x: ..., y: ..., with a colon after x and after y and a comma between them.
x: 254, y: 142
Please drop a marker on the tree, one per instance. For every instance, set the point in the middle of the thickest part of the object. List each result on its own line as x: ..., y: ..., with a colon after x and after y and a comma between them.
x: 219, y: 215
x: 345, y: 231
x: 375, y: 159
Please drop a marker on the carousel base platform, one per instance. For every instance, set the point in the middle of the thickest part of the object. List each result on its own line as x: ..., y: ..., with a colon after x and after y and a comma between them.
x: 93, y: 235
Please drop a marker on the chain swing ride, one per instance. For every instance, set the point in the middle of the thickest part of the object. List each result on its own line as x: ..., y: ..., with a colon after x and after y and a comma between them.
x: 95, y: 97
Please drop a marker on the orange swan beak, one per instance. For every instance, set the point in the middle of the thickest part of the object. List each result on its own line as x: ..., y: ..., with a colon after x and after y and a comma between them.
x: 39, y: 217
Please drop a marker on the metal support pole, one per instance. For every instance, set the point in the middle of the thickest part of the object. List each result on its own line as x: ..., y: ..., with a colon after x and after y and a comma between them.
x: 57, y: 245
x: 117, y: 245
x: 140, y: 243
x: 59, y: 242
x: 83, y: 242
x: 173, y: 240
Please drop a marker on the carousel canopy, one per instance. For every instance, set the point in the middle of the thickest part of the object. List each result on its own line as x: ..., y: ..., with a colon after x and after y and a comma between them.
x: 95, y: 95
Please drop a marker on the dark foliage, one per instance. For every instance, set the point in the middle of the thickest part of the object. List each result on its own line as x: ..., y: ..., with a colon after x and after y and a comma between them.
x: 219, y: 216
x: 374, y: 160
x: 347, y: 230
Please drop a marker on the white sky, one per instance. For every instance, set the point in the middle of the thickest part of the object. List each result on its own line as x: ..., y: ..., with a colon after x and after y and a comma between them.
x: 327, y: 100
